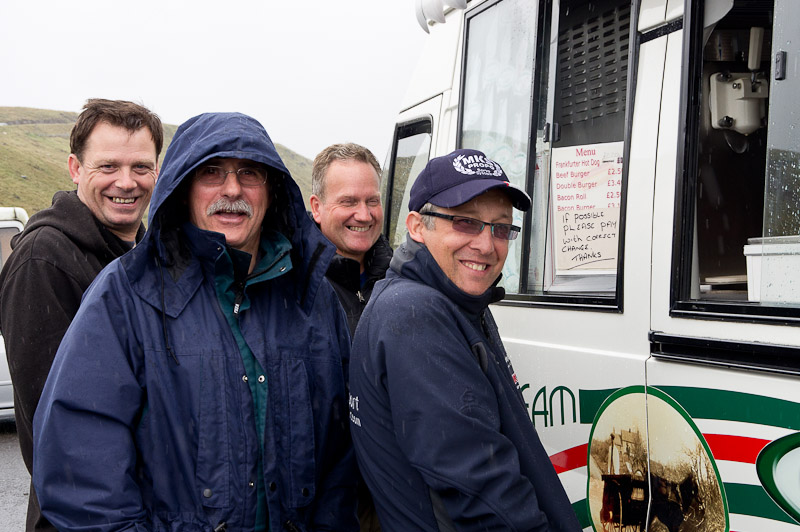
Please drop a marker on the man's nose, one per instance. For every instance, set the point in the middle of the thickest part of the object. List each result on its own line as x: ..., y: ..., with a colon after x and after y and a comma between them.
x: 363, y: 213
x: 126, y: 179
x: 231, y: 186
x: 483, y: 241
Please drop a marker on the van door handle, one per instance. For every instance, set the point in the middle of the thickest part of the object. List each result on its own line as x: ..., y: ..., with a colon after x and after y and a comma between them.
x: 551, y: 130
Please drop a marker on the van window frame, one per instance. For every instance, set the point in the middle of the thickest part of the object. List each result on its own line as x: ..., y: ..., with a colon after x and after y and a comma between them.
x: 614, y: 302
x: 681, y: 303
x: 415, y: 126
x: 535, y: 93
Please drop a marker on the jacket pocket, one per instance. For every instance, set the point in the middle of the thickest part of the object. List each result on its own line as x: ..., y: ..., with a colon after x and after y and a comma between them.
x: 300, y: 421
x: 213, y: 445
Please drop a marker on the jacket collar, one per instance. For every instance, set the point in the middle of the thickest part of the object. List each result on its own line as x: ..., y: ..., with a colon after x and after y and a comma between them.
x: 172, y: 274
x: 182, y: 258
x: 75, y: 220
x: 347, y: 272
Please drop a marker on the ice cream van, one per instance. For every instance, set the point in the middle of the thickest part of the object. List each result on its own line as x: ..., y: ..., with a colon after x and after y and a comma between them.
x: 653, y: 299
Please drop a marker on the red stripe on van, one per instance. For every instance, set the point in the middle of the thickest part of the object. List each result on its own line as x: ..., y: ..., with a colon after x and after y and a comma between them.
x: 735, y: 448
x: 723, y: 447
x: 570, y: 459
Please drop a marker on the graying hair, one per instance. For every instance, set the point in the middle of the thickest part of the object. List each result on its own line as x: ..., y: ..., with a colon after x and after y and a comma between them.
x: 429, y: 221
x: 339, y: 152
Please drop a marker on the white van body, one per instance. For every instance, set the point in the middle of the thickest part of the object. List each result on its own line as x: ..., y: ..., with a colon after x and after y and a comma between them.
x: 653, y: 326
x: 12, y: 221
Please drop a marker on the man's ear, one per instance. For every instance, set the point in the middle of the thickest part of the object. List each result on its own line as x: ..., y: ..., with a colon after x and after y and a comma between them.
x: 416, y: 227
x: 74, y: 166
x: 316, y: 204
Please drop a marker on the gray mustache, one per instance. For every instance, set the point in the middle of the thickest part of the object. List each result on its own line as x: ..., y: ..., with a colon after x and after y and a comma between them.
x: 224, y: 205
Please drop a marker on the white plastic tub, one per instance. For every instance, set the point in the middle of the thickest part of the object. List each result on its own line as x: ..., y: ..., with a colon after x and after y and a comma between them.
x: 777, y: 260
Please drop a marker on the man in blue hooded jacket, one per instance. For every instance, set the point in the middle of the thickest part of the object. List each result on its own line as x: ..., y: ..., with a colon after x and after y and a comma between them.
x: 201, y: 386
x: 441, y: 431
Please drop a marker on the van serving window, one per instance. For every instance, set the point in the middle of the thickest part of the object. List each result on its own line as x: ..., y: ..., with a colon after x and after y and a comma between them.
x: 738, y: 248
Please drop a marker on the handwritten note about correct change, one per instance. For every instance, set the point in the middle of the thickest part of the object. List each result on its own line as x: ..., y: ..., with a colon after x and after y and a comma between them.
x: 586, y: 191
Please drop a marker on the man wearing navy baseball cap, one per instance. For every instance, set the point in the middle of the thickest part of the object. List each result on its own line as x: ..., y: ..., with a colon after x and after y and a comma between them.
x: 440, y: 428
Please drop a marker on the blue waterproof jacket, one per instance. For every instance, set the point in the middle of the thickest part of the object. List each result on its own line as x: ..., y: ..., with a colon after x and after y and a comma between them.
x: 441, y: 431
x: 146, y: 422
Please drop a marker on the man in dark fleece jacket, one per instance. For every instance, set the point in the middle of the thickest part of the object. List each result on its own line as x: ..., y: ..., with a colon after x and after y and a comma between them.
x: 115, y: 147
x: 346, y: 204
x: 441, y: 431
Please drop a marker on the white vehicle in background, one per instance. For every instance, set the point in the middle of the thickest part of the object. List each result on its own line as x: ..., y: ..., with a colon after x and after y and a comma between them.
x: 653, y: 299
x: 12, y: 221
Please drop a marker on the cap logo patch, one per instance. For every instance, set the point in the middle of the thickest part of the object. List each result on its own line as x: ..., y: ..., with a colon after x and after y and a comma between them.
x: 476, y: 165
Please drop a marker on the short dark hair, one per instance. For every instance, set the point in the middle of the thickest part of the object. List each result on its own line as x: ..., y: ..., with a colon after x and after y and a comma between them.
x: 119, y: 113
x: 339, y: 152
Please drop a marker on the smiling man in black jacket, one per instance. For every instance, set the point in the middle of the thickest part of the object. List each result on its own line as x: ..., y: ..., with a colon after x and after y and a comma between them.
x: 113, y: 161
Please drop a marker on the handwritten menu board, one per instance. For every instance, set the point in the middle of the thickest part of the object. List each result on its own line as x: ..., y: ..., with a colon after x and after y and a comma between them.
x: 586, y: 185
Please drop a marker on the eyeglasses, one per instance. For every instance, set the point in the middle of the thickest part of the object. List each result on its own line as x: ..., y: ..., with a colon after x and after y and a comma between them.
x: 471, y: 226
x: 216, y: 175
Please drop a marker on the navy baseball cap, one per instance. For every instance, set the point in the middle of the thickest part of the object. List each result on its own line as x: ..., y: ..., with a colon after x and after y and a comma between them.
x: 456, y: 178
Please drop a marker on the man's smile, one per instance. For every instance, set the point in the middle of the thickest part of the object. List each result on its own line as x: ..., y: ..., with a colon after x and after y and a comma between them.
x: 124, y: 201
x: 359, y: 229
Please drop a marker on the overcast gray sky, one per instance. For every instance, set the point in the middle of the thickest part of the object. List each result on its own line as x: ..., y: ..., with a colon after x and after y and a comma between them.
x: 313, y: 72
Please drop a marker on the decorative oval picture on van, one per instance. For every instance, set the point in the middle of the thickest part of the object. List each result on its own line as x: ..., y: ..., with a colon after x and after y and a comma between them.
x: 778, y: 467
x: 677, y: 471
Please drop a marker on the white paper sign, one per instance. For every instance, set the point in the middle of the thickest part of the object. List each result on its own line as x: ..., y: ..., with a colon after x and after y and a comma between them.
x: 586, y: 191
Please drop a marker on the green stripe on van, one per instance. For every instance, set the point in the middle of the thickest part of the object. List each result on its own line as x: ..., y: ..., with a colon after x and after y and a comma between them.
x: 705, y: 403
x: 591, y: 401
x: 725, y: 405
x: 753, y: 500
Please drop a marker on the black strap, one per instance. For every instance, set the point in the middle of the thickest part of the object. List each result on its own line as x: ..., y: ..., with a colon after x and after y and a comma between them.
x: 479, y: 350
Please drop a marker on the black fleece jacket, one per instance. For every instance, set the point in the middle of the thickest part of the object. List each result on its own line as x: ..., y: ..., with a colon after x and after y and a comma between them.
x: 345, y: 276
x: 54, y: 260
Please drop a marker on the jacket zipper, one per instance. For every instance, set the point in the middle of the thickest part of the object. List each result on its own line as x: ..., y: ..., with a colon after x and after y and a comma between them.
x: 237, y: 302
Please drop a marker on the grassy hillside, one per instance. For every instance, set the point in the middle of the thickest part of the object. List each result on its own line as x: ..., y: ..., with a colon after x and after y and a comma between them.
x: 34, y: 146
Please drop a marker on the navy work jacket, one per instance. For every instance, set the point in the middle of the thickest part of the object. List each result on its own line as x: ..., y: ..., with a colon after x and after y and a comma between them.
x: 441, y: 430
